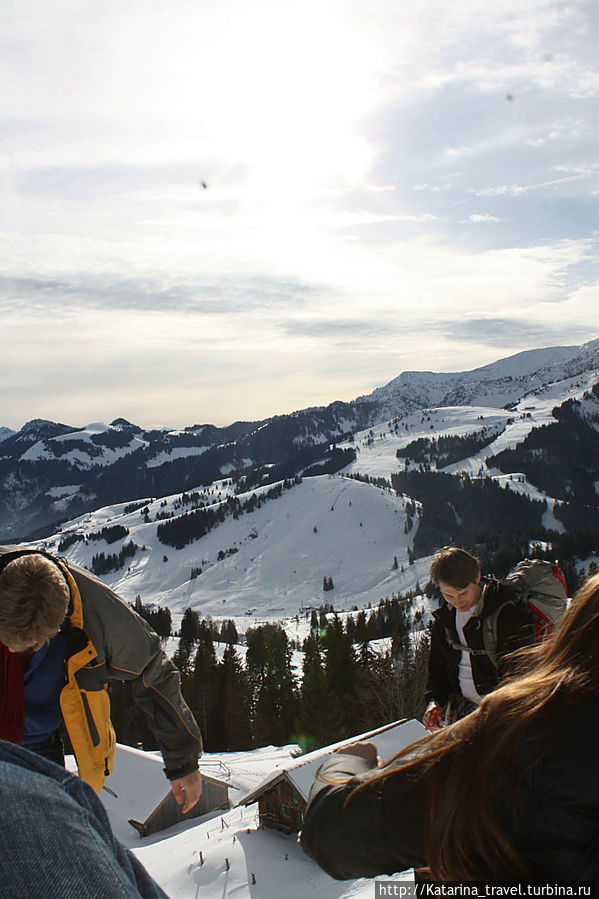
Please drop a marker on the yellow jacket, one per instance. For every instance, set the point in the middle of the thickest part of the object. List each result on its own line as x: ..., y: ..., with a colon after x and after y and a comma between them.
x: 85, y: 703
x: 106, y: 640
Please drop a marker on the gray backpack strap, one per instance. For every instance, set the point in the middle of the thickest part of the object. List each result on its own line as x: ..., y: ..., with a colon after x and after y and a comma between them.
x: 489, y: 633
x: 462, y: 647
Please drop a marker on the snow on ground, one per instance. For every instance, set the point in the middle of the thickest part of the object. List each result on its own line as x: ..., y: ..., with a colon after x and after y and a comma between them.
x: 78, y: 457
x: 189, y: 860
x: 269, y: 564
x: 276, y: 862
x: 181, y: 452
x: 273, y: 560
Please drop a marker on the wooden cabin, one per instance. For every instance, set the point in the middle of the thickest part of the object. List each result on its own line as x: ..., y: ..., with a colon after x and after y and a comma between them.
x: 283, y: 796
x: 138, y: 794
x: 215, y: 795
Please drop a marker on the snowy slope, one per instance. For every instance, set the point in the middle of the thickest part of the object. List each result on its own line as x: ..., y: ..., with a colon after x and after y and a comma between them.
x: 271, y: 562
x: 496, y: 384
x: 217, y: 854
x: 328, y: 526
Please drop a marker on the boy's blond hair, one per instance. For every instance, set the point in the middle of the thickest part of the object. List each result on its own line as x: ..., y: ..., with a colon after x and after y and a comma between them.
x: 34, y: 598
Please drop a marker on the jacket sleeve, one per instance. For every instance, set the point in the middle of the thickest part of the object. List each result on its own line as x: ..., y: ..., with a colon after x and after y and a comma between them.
x: 438, y: 686
x: 379, y: 830
x: 132, y: 651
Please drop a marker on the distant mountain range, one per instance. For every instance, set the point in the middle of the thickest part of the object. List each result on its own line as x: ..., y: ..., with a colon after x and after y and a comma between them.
x: 51, y: 472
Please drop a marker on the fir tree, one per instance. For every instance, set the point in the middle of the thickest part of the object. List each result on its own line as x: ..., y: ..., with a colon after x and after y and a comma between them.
x: 201, y: 698
x: 272, y: 684
x: 232, y: 701
x: 319, y: 720
x: 340, y: 672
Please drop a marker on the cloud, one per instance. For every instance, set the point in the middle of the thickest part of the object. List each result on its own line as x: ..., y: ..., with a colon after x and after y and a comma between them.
x: 228, y: 296
x: 508, y: 333
x: 482, y: 217
x: 353, y: 156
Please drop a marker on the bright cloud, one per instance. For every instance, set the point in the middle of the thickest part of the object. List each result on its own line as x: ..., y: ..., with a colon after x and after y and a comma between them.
x: 382, y: 180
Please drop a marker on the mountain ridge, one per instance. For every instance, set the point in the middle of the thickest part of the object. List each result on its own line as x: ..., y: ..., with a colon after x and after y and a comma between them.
x: 51, y: 472
x: 502, y: 482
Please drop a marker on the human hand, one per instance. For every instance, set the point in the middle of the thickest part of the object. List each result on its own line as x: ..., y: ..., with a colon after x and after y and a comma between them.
x: 432, y: 717
x: 187, y: 790
x: 366, y: 751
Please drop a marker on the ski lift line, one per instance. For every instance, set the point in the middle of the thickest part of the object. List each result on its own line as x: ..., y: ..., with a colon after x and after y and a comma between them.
x: 337, y: 497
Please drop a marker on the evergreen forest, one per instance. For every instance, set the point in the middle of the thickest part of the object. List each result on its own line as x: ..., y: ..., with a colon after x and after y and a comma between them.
x: 346, y: 686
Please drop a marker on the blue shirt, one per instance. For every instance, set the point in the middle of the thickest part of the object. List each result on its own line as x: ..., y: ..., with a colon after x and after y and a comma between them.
x: 44, y: 679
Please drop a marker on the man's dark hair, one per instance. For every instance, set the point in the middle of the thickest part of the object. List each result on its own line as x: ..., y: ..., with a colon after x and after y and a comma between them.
x: 455, y: 567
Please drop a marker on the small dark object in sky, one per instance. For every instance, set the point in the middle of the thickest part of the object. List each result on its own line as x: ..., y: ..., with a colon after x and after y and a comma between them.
x: 509, y: 97
x: 204, y: 185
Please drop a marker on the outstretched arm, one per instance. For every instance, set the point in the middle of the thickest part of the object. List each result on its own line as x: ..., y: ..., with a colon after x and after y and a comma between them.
x: 376, y: 830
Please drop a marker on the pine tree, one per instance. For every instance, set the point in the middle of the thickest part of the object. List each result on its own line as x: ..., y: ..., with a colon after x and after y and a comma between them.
x: 228, y: 632
x: 361, y: 629
x: 202, y: 687
x: 370, y: 711
x: 273, y: 692
x: 340, y: 672
x: 190, y: 624
x: 232, y: 701
x: 319, y: 719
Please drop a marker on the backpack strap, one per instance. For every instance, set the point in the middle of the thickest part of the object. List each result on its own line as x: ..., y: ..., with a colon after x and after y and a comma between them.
x: 490, y: 634
x: 462, y: 647
x: 489, y: 630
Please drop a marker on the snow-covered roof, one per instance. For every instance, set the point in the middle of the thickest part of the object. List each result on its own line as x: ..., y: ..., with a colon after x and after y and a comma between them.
x: 135, y: 788
x: 389, y: 740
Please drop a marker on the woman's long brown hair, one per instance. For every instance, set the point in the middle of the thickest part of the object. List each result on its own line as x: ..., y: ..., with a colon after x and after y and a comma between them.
x: 465, y: 838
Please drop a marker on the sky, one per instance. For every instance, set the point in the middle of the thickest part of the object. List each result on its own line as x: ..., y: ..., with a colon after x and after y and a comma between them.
x: 217, y: 211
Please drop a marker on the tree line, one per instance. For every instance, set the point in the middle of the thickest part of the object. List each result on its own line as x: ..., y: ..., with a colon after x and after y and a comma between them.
x: 184, y: 529
x: 345, y: 687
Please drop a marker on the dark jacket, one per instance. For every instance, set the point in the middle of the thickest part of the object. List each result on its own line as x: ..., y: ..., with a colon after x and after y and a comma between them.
x: 106, y: 639
x: 382, y: 829
x: 514, y: 630
x: 379, y: 831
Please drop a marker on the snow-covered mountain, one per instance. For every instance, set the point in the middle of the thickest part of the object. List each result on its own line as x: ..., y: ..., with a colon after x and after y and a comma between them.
x: 526, y: 473
x: 497, y: 384
x: 51, y: 472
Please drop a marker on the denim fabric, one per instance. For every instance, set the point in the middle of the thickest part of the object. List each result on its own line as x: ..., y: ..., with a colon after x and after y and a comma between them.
x: 55, y: 837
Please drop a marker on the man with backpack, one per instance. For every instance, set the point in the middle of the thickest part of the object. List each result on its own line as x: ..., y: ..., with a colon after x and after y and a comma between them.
x: 481, y: 621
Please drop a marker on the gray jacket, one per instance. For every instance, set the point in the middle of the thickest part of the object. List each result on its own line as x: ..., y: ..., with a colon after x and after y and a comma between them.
x: 126, y: 648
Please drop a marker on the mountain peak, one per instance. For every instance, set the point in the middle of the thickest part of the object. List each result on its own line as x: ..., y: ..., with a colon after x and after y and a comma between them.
x: 41, y: 428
